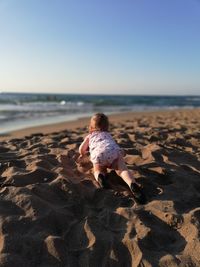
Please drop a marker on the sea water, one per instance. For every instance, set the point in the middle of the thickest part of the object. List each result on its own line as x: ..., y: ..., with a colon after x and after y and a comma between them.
x: 19, y: 110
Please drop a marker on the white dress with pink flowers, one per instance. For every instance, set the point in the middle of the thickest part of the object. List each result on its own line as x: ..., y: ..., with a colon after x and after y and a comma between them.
x: 103, y: 149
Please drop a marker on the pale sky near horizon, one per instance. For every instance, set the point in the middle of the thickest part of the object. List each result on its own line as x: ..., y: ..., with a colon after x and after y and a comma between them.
x: 107, y: 46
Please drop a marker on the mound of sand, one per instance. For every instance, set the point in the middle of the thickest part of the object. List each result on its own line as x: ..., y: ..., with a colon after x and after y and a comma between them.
x: 53, y: 214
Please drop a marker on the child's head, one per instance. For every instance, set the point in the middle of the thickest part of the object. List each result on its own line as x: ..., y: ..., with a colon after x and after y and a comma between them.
x: 99, y: 122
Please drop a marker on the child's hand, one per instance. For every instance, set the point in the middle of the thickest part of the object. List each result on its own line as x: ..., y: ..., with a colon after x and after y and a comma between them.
x: 80, y: 158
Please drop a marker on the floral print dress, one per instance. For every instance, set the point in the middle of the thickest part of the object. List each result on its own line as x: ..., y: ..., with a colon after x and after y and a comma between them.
x: 103, y: 149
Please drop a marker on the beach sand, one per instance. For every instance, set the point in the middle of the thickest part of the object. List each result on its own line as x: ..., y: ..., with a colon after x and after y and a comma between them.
x: 53, y: 214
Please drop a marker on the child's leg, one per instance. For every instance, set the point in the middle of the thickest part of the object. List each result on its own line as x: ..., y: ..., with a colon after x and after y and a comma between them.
x: 100, y: 175
x: 121, y: 169
x: 99, y: 169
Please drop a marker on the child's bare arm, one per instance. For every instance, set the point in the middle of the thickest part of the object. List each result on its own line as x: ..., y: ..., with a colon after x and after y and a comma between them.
x: 84, y: 146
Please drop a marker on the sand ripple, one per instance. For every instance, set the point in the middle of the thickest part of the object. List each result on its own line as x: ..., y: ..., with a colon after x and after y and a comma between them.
x: 53, y: 214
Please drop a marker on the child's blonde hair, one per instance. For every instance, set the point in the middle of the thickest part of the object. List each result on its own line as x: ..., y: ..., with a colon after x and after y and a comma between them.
x: 99, y: 122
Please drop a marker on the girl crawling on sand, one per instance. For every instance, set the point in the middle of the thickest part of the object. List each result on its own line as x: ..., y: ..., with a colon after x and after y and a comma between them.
x: 105, y: 153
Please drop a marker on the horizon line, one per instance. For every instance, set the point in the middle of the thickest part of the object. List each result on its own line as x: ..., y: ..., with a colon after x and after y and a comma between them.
x: 95, y: 94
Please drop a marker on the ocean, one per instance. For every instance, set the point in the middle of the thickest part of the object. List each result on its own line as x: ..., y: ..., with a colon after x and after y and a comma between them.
x: 20, y: 110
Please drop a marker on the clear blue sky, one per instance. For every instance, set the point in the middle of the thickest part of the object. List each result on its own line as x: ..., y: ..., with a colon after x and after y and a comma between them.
x: 100, y: 46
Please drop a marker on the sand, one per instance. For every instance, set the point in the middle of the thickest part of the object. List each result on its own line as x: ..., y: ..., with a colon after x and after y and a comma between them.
x: 53, y: 213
